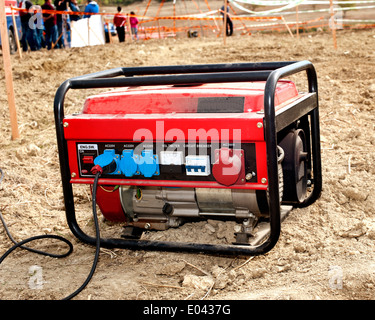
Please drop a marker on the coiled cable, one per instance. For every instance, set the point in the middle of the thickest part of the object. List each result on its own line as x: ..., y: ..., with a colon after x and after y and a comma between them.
x: 21, y: 243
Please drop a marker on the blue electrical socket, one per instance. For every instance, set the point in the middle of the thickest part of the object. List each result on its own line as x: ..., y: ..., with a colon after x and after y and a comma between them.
x: 109, y: 161
x: 148, y: 164
x: 128, y: 165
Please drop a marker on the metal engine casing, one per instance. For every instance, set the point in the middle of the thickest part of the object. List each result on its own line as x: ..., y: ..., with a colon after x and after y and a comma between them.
x: 162, y: 208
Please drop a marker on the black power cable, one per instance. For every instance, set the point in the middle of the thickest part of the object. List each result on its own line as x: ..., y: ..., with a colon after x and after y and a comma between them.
x: 21, y: 243
x: 96, y: 258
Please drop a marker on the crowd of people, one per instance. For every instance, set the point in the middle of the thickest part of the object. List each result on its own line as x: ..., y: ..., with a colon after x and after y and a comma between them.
x: 49, y: 30
x: 43, y: 29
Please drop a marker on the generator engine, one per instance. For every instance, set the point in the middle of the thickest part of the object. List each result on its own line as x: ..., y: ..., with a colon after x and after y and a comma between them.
x: 183, y: 143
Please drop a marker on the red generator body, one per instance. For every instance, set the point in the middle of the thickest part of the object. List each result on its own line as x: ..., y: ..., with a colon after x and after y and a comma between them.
x: 175, y: 144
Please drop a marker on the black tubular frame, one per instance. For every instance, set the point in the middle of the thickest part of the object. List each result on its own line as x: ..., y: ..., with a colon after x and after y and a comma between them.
x: 271, y: 72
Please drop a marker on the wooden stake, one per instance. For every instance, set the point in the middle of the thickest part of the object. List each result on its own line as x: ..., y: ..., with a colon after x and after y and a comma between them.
x: 297, y: 25
x: 57, y: 41
x: 157, y: 17
x: 333, y: 24
x: 160, y: 6
x: 200, y: 22
x: 16, y: 34
x: 8, y: 72
x: 144, y: 15
x: 209, y: 9
x: 148, y: 4
x: 225, y: 21
x: 287, y: 27
x: 174, y: 16
x: 88, y: 31
x: 158, y: 27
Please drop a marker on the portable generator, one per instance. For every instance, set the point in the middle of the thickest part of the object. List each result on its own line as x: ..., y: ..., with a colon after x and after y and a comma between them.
x: 169, y: 145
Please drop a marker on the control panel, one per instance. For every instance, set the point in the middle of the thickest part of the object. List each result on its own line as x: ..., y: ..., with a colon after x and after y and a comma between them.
x: 167, y: 161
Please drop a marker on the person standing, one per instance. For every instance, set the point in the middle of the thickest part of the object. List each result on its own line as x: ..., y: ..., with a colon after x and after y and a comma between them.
x: 28, y: 38
x: 119, y: 20
x: 91, y: 7
x: 134, y: 25
x: 60, y: 5
x: 49, y: 24
x: 229, y: 26
x: 39, y: 24
x: 75, y: 8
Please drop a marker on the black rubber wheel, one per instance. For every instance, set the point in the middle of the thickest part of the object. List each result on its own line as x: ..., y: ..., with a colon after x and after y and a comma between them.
x: 295, y: 166
x: 12, y: 42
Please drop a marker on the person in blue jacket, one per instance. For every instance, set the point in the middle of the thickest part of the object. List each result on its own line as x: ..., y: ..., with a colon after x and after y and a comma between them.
x: 91, y: 7
x: 229, y: 26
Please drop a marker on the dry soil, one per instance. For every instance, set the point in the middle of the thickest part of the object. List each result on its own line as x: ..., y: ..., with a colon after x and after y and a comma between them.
x: 332, y: 239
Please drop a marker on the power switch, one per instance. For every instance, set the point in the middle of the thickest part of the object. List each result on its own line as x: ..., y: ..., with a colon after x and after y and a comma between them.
x: 88, y: 159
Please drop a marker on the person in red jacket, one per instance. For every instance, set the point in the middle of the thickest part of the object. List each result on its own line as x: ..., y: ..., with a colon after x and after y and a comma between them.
x: 119, y: 21
x: 50, y: 26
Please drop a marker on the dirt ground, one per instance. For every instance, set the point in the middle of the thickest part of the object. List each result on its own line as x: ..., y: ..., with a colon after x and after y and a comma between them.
x: 332, y: 239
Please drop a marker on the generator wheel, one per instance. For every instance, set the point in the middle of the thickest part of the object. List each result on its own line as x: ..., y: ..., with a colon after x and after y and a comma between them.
x: 12, y: 42
x: 295, y: 166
